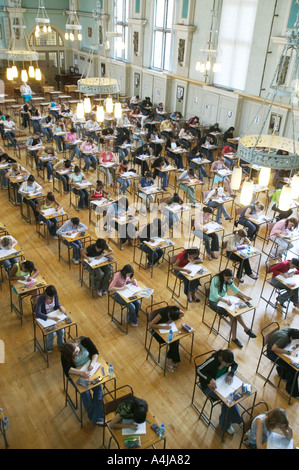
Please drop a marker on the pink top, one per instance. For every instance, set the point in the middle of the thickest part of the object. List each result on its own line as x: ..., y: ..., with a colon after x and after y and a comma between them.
x: 106, y: 156
x: 87, y: 146
x: 69, y: 136
x: 119, y: 281
x: 279, y: 227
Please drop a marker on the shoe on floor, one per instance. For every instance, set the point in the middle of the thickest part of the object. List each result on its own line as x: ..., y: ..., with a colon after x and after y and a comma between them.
x: 76, y: 261
x: 100, y: 293
x: 250, y: 333
x: 230, y: 430
x: 237, y: 342
x: 134, y: 324
x: 100, y: 422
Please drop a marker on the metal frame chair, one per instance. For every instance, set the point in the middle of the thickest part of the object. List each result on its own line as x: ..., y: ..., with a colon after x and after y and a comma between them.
x: 252, y: 412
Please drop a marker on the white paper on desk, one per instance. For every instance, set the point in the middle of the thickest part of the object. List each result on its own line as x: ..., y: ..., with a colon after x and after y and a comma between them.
x: 212, y: 227
x: 46, y: 323
x: 4, y: 253
x: 290, y: 347
x: 94, y: 369
x: 234, y: 300
x: 47, y: 212
x: 107, y: 164
x: 141, y: 429
x: 156, y: 241
x: 174, y: 207
x: 291, y: 281
x: 100, y: 202
x: 95, y: 262
x: 127, y: 174
x: 83, y: 184
x: 73, y: 235
x: 25, y: 281
x: 57, y: 313
x: 172, y: 326
x: 194, y: 268
x: 129, y: 291
x: 224, y: 388
x: 277, y: 441
x: 224, y: 172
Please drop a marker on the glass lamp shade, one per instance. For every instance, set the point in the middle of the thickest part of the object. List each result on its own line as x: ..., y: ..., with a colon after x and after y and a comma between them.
x: 264, y: 176
x: 38, y: 75
x: 24, y: 76
x: 80, y: 110
x: 72, y: 37
x: 246, y: 193
x: 9, y: 74
x: 109, y: 105
x: 31, y: 71
x: 117, y: 110
x: 236, y: 178
x: 79, y: 37
x: 87, y: 105
x: 286, y: 198
x: 49, y: 29
x: 197, y: 66
x: 295, y: 186
x: 100, y: 113
x: 15, y: 72
x: 66, y: 36
x: 45, y: 29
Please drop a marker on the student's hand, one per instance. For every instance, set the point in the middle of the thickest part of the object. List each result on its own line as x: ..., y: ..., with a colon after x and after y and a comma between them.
x: 212, y: 384
x: 247, y: 298
x: 85, y: 374
x: 132, y: 426
x: 227, y: 302
x: 228, y: 379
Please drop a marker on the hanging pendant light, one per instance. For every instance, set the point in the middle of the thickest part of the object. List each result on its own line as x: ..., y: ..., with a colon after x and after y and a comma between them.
x: 286, y: 198
x: 264, y: 176
x: 80, y: 110
x: 24, y: 76
x: 31, y: 71
x: 109, y: 105
x: 15, y: 72
x: 117, y: 111
x: 246, y: 193
x: 236, y: 178
x: 38, y: 74
x: 87, y: 105
x: 9, y: 74
x: 295, y: 186
x: 100, y: 114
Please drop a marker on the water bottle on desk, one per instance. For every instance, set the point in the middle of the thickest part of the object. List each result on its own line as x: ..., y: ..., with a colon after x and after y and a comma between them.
x: 162, y: 431
x: 167, y: 241
x: 5, y: 422
x: 170, y: 335
x: 248, y: 251
x: 110, y: 370
x: 230, y: 398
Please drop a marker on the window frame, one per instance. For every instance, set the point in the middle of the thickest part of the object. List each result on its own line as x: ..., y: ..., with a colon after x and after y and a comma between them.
x: 124, y: 24
x: 165, y: 31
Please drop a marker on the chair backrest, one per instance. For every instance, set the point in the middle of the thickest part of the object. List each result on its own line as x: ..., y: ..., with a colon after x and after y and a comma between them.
x: 151, y: 310
x: 270, y: 263
x: 248, y: 416
x: 120, y: 393
x: 238, y: 211
x: 268, y: 331
x: 201, y: 358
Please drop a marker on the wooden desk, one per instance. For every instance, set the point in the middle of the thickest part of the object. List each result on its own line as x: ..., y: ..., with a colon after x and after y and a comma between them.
x: 243, y: 254
x: 288, y: 360
x: 83, y: 185
x: 102, y: 372
x: 99, y: 207
x: 198, y: 275
x: 177, y: 336
x: 12, y: 188
x: 101, y: 262
x: 22, y: 291
x: 65, y: 240
x: 162, y: 245
x: 42, y: 228
x: 122, y: 221
x: 45, y: 331
x: 29, y: 197
x: 150, y: 439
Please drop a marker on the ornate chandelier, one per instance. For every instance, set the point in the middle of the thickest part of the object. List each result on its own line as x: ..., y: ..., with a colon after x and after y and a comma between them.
x: 73, y: 26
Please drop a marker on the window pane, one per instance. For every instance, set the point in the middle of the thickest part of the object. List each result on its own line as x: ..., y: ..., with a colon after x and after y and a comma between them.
x: 119, y: 10
x: 53, y: 59
x: 159, y: 13
x: 167, y: 54
x: 170, y: 9
x: 158, y: 47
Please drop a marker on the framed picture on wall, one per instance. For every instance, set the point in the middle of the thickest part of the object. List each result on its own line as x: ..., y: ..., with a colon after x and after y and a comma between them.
x: 89, y: 32
x: 137, y: 79
x: 275, y: 122
x: 180, y: 93
x: 103, y: 69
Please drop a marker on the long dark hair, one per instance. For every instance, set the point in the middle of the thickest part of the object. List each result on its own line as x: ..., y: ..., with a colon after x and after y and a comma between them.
x: 191, y: 251
x: 221, y: 275
x: 127, y: 269
x: 226, y: 354
x: 67, y: 350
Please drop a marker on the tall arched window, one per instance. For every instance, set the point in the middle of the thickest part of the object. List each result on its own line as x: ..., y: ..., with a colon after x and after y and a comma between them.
x: 121, y: 15
x: 162, y: 40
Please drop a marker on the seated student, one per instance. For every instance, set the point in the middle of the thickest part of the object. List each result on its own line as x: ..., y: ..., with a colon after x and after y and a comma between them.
x: 5, y: 159
x: 9, y: 128
x: 228, y: 149
x: 100, y: 277
x: 24, y: 111
x: 150, y: 231
x: 143, y: 150
x: 264, y: 424
x: 170, y: 217
x: 7, y: 243
x: 66, y: 166
x: 70, y: 143
x: 221, y: 362
x: 34, y: 113
x: 283, y: 269
x: 210, y: 240
x: 66, y: 114
x: 31, y: 187
x: 130, y: 408
x: 88, y: 150
x: 134, y: 101
x: 193, y: 123
x: 190, y: 255
x: 90, y: 129
x: 71, y: 226
x: 55, y: 110
x: 145, y: 105
x: 78, y: 177
x: 160, y: 112
x: 74, y: 354
x: 24, y: 271
x: 147, y: 199
x: 17, y: 170
x: 48, y: 152
x: 46, y: 127
x: 119, y: 282
x: 206, y: 143
x: 190, y: 191
x: 127, y: 231
x: 133, y: 115
x: 34, y: 141
x: 218, y: 165
x: 229, y: 134
x: 78, y: 124
x: 58, y: 136
x: 49, y: 202
x: 236, y: 241
x: 158, y: 164
x: 196, y: 153
x: 98, y: 192
x: 153, y: 138
x: 184, y: 136
x: 124, y: 182
x: 283, y: 227
x: 166, y: 128
x: 276, y: 345
x: 108, y: 157
x: 167, y: 315
x: 211, y: 201
x: 171, y: 146
x: 253, y: 211
x: 46, y: 304
x: 220, y: 285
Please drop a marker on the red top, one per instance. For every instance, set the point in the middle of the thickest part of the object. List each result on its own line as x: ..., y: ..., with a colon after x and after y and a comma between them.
x: 183, y: 261
x: 281, y: 268
x: 106, y: 156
